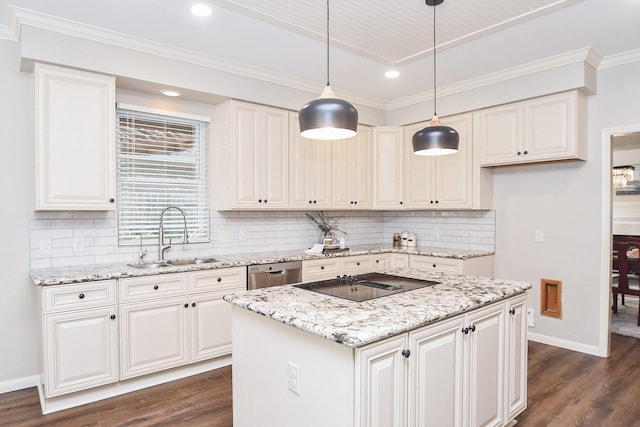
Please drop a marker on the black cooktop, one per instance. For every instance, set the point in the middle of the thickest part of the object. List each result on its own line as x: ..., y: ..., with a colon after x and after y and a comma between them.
x: 365, y: 286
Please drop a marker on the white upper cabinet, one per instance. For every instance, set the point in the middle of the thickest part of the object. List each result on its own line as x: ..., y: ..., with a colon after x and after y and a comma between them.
x: 75, y: 139
x: 388, y: 156
x: 250, y: 157
x: 309, y: 170
x: 352, y: 161
x: 550, y: 128
x: 440, y: 182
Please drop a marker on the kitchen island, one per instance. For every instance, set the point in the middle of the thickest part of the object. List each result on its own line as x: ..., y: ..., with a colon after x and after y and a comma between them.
x: 449, y: 354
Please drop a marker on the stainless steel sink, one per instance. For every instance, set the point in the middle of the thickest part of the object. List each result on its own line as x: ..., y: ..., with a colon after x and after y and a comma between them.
x: 152, y: 264
x: 191, y: 261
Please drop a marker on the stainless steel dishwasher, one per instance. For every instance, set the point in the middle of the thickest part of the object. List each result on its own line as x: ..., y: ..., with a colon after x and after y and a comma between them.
x: 276, y: 274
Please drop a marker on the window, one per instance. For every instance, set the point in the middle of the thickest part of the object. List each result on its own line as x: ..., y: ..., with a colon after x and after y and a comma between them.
x: 161, y: 162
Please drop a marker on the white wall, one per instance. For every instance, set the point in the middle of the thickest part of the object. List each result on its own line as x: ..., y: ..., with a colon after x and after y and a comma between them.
x: 563, y: 200
x: 18, y: 320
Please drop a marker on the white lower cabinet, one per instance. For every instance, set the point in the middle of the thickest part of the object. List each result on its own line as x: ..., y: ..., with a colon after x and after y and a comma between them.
x: 466, y: 371
x: 97, y: 333
x: 476, y: 266
x: 175, y: 319
x: 79, y: 337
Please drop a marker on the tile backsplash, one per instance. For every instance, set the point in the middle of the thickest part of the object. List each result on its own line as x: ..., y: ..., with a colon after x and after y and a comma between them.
x: 76, y: 238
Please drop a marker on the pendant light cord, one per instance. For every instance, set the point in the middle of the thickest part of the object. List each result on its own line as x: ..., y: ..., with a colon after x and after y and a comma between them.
x: 328, y: 43
x: 435, y: 91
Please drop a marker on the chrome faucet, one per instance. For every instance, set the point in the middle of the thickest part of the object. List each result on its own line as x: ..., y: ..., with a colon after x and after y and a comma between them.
x: 161, y: 246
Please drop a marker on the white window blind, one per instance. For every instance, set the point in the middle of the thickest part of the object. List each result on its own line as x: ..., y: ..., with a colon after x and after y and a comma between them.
x: 161, y: 162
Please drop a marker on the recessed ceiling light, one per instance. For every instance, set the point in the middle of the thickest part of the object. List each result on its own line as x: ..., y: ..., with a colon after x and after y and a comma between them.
x: 392, y: 74
x: 201, y: 9
x: 171, y: 92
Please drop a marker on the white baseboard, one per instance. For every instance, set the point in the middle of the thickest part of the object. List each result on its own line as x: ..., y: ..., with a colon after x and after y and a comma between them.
x: 72, y: 400
x: 569, y: 345
x: 19, y: 384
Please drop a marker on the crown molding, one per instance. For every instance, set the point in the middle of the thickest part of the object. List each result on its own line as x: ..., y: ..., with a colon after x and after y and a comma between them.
x: 621, y: 59
x: 587, y: 55
x: 12, y: 31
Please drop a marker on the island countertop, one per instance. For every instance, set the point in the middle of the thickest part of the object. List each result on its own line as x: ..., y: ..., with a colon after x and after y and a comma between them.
x: 356, y: 324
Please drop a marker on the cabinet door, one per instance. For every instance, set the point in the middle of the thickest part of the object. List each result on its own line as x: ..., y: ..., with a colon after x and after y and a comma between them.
x: 516, y: 357
x: 485, y: 366
x: 499, y: 133
x: 210, y: 326
x: 435, y: 375
x: 75, y: 139
x: 274, y: 159
x: 381, y: 263
x: 261, y: 156
x: 454, y: 172
x: 80, y: 351
x: 352, y: 161
x: 357, y: 264
x: 387, y: 168
x: 419, y: 174
x: 398, y: 260
x: 320, y: 269
x: 310, y: 170
x: 381, y: 384
x: 153, y: 336
x: 550, y: 128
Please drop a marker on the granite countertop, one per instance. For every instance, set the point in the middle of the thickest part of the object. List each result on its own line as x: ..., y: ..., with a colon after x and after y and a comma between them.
x: 355, y: 324
x: 92, y: 272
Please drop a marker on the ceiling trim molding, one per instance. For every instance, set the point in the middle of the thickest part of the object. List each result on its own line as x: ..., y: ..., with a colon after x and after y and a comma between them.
x: 587, y: 54
x: 621, y: 59
x: 25, y: 17
x: 12, y: 31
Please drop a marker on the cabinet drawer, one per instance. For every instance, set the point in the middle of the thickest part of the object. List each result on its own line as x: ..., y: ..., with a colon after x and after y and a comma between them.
x: 158, y: 286
x: 357, y: 264
x: 219, y: 279
x: 319, y: 269
x: 79, y: 296
x: 435, y: 263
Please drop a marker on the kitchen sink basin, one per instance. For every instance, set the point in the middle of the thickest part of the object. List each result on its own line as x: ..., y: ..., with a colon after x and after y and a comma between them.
x: 191, y: 261
x: 153, y: 264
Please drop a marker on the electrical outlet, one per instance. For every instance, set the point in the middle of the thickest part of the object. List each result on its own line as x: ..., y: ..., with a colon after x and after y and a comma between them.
x: 293, y: 377
x: 539, y: 236
x: 78, y: 245
x: 530, y: 317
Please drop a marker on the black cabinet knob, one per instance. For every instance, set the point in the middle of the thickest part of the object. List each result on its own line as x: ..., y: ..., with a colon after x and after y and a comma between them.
x: 81, y: 296
x: 219, y: 279
x: 400, y: 202
x: 155, y: 287
x: 406, y: 353
x: 526, y: 152
x: 186, y: 305
x: 431, y: 201
x: 315, y: 201
x: 355, y: 202
x: 193, y: 304
x: 265, y: 200
x: 377, y: 261
x: 437, y: 202
x: 351, y: 202
x: 322, y: 267
x: 111, y: 200
x: 259, y: 200
x: 434, y: 266
x: 310, y: 201
x: 512, y: 311
x: 113, y: 316
x: 357, y: 263
x: 519, y: 153
x: 472, y: 328
x: 465, y: 331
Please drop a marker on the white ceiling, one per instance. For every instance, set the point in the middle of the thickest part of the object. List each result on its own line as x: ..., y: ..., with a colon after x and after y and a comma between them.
x: 286, y: 38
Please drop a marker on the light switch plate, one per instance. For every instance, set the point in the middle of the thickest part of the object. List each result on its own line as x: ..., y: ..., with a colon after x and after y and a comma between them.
x: 539, y: 236
x: 294, y: 378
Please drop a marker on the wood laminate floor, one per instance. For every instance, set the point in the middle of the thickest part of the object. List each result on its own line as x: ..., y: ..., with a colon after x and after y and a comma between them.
x: 566, y: 388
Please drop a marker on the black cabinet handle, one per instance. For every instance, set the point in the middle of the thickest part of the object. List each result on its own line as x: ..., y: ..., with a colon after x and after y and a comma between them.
x: 465, y: 331
x: 259, y: 200
x: 186, y: 305
x: 111, y: 200
x: 437, y: 202
x: 377, y: 261
x: 265, y: 200
x: 472, y: 328
x: 155, y: 287
x: 400, y: 202
x: 315, y: 201
x: 431, y: 202
x: 322, y: 267
x: 310, y: 201
x: 512, y: 311
x: 113, y: 316
x: 406, y: 353
x: 357, y: 263
x: 81, y: 296
x: 526, y: 152
x: 193, y: 304
x: 219, y: 279
x: 434, y: 266
x: 519, y: 153
x: 355, y: 203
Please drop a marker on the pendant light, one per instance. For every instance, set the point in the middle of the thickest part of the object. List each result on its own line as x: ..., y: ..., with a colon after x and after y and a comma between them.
x: 328, y: 117
x: 435, y: 139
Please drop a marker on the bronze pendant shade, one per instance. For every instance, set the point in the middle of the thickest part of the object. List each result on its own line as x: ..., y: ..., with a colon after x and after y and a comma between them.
x: 435, y: 139
x: 328, y: 117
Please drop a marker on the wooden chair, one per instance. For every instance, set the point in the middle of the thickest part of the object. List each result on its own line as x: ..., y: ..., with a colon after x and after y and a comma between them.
x: 623, y: 283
